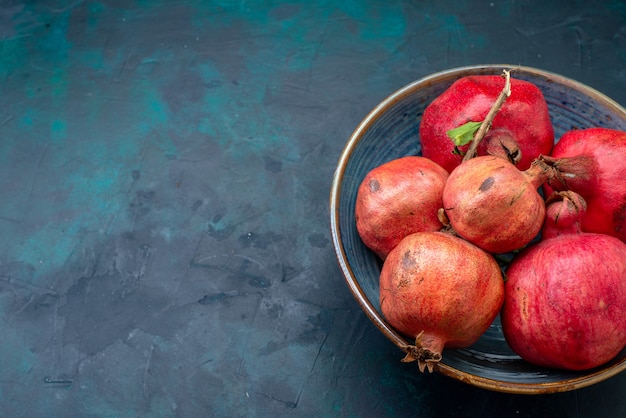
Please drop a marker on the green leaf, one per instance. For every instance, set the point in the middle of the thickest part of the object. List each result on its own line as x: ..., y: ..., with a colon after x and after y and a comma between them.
x: 464, y: 134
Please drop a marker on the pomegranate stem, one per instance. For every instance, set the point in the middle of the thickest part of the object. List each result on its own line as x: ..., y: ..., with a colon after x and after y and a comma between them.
x: 486, y: 124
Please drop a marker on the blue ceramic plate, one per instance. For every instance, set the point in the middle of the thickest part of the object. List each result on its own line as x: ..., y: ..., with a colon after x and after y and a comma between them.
x: 391, y: 130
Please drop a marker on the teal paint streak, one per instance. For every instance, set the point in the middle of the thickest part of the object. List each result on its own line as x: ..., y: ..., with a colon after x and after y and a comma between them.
x: 93, y: 193
x: 618, y: 7
x: 52, y: 41
x: 16, y: 357
x: 26, y: 119
x: 93, y: 59
x: 383, y: 25
x: 382, y: 22
x: 58, y: 130
x: 13, y: 53
x: 224, y: 108
x: 47, y: 249
x: 506, y: 8
x: 96, y: 9
x: 217, y: 113
x: 96, y: 179
x: 226, y: 12
x: 96, y: 188
x: 43, y: 30
x: 456, y: 38
x: 99, y: 62
x: 91, y: 200
x: 152, y: 110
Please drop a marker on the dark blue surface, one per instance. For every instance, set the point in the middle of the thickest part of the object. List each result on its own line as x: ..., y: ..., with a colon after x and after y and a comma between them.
x: 164, y: 239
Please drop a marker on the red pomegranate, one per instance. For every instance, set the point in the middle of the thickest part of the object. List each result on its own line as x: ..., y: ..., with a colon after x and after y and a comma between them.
x: 492, y: 204
x: 441, y: 291
x: 522, y: 125
x: 396, y: 199
x: 592, y: 162
x: 565, y: 297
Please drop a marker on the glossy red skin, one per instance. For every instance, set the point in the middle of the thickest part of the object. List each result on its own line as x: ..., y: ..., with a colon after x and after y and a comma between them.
x: 492, y: 204
x: 604, y: 188
x: 565, y: 303
x: 442, y: 285
x: 396, y: 199
x: 524, y: 116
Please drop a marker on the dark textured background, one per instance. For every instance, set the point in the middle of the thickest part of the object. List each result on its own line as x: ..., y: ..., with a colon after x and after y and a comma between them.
x: 165, y: 170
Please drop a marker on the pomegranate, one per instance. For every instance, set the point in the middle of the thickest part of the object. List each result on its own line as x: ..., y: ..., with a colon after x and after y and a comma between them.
x: 565, y: 297
x: 592, y: 162
x: 492, y: 204
x: 521, y: 130
x: 441, y: 291
x: 396, y: 199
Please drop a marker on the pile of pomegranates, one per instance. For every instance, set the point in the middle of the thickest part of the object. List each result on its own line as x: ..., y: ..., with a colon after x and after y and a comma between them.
x: 492, y: 181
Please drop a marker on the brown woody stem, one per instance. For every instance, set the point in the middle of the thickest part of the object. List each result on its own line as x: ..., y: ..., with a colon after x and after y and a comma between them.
x: 486, y: 124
